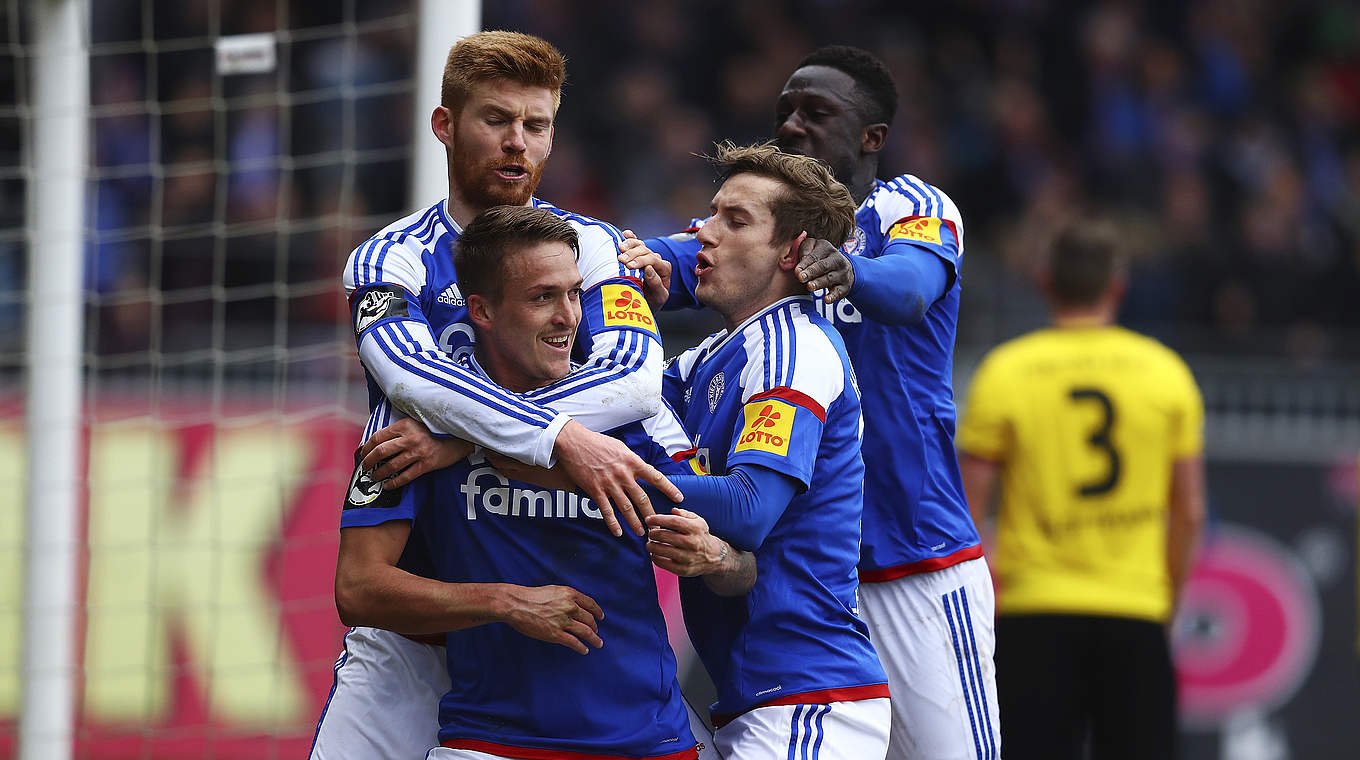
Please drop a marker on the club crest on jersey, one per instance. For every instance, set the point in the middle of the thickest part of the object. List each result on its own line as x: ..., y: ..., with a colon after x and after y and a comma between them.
x: 916, y: 229
x: 768, y: 426
x: 857, y: 242
x: 379, y: 303
x: 623, y: 307
x: 452, y: 296
x: 715, y: 391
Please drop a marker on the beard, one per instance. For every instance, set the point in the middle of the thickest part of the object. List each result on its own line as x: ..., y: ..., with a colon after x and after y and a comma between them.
x: 482, y: 187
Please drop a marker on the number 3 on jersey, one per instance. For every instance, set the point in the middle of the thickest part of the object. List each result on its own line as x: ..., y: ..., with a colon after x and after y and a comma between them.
x: 1099, y: 440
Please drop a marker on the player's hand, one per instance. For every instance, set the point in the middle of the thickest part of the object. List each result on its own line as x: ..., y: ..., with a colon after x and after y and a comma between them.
x: 680, y: 542
x: 823, y: 265
x: 405, y: 450
x: 656, y: 271
x: 608, y: 471
x: 555, y: 614
x: 555, y: 478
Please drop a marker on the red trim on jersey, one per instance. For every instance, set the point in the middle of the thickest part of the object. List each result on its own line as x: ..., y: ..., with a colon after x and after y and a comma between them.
x: 681, y: 456
x: 821, y: 697
x: 538, y: 753
x: 923, y: 566
x: 793, y: 397
x: 433, y: 639
x: 693, y: 228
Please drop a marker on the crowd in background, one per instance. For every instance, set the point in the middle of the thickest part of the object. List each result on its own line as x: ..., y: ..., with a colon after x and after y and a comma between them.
x: 1225, y: 135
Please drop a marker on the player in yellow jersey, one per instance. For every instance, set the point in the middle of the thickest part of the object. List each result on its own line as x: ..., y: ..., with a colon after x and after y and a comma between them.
x: 1096, y: 435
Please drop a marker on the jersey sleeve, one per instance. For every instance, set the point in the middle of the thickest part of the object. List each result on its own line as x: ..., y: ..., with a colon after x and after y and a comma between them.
x: 915, y: 219
x: 985, y: 426
x: 1187, y: 434
x: 402, y: 357
x: 620, y: 380
x: 366, y: 503
x: 790, y: 380
x: 680, y: 250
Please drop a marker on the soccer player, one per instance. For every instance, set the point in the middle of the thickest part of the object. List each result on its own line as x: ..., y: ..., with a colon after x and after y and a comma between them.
x: 499, y: 97
x: 1095, y: 434
x: 893, y: 293
x: 535, y: 559
x: 772, y: 405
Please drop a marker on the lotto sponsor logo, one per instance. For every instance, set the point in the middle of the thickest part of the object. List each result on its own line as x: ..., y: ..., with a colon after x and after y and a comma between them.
x: 487, y: 487
x: 768, y: 427
x: 624, y: 307
x: 916, y: 229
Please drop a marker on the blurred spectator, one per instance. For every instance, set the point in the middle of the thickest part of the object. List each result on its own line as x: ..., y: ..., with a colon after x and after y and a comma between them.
x: 1229, y: 127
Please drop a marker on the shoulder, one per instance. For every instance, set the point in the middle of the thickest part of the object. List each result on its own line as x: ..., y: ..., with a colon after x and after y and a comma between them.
x: 907, y: 196
x: 396, y: 252
x: 590, y: 230
x: 1164, y: 359
x: 791, y: 347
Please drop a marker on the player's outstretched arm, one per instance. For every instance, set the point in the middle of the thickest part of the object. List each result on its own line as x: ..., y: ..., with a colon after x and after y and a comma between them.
x: 405, y: 450
x: 681, y: 543
x: 371, y: 591
x: 606, y: 470
x: 979, y: 485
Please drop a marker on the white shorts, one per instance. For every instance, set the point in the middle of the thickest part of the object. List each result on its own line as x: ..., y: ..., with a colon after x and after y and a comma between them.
x: 935, y: 635
x: 835, y: 731
x: 385, y: 701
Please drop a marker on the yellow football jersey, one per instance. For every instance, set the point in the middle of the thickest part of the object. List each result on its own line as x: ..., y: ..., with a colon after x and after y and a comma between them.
x: 1086, y: 423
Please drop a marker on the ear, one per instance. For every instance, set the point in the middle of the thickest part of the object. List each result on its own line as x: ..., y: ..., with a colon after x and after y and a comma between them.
x: 441, y: 123
x: 481, y: 311
x: 788, y: 259
x: 872, y: 138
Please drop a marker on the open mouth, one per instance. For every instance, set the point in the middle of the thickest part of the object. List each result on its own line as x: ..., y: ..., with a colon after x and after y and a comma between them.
x: 511, y: 172
x: 560, y: 342
x: 702, y: 264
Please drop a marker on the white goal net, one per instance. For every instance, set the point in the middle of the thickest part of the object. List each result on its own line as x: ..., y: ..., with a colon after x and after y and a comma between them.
x: 238, y: 149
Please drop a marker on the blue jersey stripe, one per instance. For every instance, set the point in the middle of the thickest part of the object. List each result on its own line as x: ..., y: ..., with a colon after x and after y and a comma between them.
x: 765, y: 330
x: 807, y: 730
x: 963, y: 680
x: 817, y: 748
x: 988, y: 731
x: 934, y: 193
x: 629, y: 355
x: 792, y: 364
x: 972, y: 669
x: 455, y: 378
x: 335, y: 683
x: 793, y: 733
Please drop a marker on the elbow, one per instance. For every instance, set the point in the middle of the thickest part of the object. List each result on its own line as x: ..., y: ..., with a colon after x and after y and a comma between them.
x: 352, y: 600
x: 640, y: 391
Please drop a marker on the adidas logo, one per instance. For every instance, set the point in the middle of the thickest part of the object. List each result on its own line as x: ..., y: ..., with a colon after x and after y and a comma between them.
x: 452, y: 296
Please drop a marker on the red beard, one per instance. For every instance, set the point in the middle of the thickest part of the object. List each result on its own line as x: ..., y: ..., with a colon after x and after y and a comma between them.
x: 483, y: 188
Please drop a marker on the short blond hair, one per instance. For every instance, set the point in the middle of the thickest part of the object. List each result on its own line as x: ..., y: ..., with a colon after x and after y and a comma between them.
x: 812, y: 199
x: 521, y: 58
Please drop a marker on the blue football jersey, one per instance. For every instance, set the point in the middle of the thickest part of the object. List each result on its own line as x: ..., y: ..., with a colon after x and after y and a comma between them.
x: 411, y: 324
x: 413, y: 331
x: 778, y: 392
x: 915, y: 516
x: 512, y: 693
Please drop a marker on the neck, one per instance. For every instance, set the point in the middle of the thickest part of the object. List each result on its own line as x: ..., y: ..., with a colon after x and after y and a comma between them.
x: 461, y: 211
x: 1099, y: 315
x: 734, y: 319
x: 498, y: 370
x: 861, y: 182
